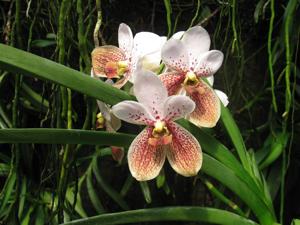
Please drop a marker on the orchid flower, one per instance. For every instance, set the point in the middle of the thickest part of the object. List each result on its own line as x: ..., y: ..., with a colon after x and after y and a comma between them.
x: 189, y: 60
x: 162, y: 138
x: 116, y: 62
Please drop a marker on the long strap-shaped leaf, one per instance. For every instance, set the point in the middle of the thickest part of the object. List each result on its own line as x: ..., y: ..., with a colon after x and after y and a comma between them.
x: 235, y: 136
x: 64, y: 136
x: 216, y: 149
x: 18, y: 61
x: 197, y: 214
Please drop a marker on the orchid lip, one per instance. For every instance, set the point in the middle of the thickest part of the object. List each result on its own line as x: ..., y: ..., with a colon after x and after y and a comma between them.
x: 160, y: 134
x: 123, y: 67
x: 190, y: 79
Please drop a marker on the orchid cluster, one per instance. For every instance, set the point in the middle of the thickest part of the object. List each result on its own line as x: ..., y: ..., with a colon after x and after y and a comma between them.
x: 182, y: 90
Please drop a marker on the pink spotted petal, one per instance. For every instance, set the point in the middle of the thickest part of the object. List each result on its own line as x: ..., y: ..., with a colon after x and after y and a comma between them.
x: 184, y: 153
x: 132, y: 112
x: 197, y: 41
x: 209, y: 63
x: 145, y: 161
x: 175, y: 56
x: 150, y: 92
x: 104, y: 61
x: 178, y: 106
x: 125, y: 39
x: 172, y: 81
x: 208, y: 108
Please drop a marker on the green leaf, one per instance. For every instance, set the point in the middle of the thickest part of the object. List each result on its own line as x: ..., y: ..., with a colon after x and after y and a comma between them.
x: 12, y: 59
x: 278, y: 144
x: 71, y: 198
x: 146, y: 191
x: 106, y: 187
x: 6, y: 192
x: 295, y: 222
x: 64, y: 136
x: 196, y: 214
x: 227, y: 177
x: 42, y: 43
x: 216, y: 149
x: 235, y: 136
x: 93, y: 194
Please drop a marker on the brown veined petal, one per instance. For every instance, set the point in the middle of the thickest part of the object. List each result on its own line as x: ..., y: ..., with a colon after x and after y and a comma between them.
x: 208, y: 108
x: 104, y: 60
x: 172, y: 81
x: 145, y: 161
x: 184, y: 152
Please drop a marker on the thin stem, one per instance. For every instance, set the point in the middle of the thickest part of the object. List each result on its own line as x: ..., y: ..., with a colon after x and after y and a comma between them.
x: 270, y: 55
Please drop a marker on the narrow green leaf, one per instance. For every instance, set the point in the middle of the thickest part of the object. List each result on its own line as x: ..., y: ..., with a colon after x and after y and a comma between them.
x: 107, y: 188
x: 26, y: 219
x: 295, y: 222
x: 235, y: 136
x: 93, y: 194
x: 227, y: 177
x: 196, y: 214
x: 22, y: 196
x: 42, y: 43
x: 64, y: 136
x: 216, y: 149
x: 71, y: 198
x: 278, y: 144
x: 6, y: 192
x: 40, y: 216
x: 146, y: 191
x: 12, y: 59
x: 38, y: 101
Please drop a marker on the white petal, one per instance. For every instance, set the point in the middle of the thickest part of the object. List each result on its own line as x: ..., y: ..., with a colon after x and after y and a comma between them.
x: 125, y: 39
x: 146, y: 43
x: 133, y: 112
x: 197, y: 41
x: 222, y: 96
x: 92, y: 73
x: 178, y: 106
x: 209, y: 63
x: 152, y: 61
x: 175, y: 56
x: 178, y: 35
x: 150, y: 91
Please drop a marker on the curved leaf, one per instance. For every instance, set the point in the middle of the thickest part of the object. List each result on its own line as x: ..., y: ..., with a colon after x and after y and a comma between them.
x: 197, y: 214
x: 64, y: 136
x: 12, y: 59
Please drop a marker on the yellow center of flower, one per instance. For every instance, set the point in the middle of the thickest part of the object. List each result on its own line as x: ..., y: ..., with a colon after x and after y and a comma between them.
x: 122, y: 67
x: 190, y: 79
x: 100, y: 122
x: 160, y: 134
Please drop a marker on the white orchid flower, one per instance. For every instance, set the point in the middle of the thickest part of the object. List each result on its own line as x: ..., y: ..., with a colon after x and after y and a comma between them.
x: 189, y: 60
x: 162, y: 138
x: 113, y: 62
